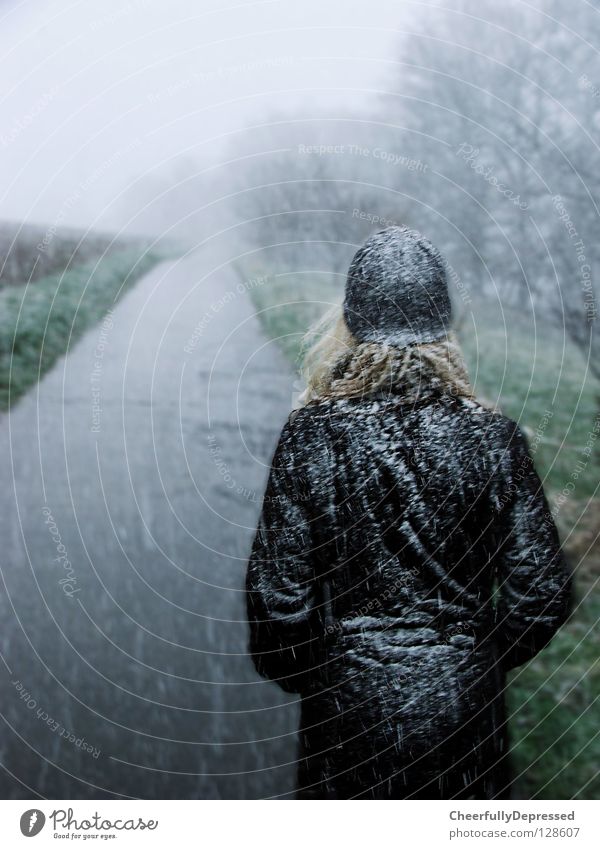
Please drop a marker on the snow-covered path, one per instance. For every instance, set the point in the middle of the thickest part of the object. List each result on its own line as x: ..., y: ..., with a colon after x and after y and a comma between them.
x: 132, y: 483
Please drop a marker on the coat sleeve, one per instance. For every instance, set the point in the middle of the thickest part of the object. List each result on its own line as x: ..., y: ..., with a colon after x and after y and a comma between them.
x: 534, y: 582
x: 281, y: 582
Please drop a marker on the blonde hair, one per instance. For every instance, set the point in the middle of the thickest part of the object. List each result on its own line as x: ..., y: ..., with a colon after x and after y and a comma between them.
x: 336, y: 365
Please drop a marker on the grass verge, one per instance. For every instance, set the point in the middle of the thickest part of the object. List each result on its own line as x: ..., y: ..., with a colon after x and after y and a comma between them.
x: 40, y: 322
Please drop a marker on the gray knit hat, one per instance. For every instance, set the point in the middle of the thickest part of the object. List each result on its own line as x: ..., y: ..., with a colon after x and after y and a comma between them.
x: 396, y: 290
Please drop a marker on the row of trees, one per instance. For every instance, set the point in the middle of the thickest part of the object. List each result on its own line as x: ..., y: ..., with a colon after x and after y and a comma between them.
x: 507, y: 103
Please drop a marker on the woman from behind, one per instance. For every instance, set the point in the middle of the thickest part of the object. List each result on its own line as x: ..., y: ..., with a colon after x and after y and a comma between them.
x: 397, y: 506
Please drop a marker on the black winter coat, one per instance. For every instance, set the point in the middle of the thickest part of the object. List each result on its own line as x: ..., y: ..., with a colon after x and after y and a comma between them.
x: 385, y: 527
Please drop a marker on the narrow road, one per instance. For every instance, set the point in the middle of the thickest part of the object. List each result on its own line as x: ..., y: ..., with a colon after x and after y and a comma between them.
x: 132, y: 483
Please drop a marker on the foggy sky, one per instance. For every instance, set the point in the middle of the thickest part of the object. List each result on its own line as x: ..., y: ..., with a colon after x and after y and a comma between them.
x: 96, y: 93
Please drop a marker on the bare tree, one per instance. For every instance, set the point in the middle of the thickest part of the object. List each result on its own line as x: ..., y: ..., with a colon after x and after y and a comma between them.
x: 504, y: 101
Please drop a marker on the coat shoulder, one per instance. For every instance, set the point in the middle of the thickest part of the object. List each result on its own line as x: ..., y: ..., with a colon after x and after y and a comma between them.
x: 312, y: 414
x: 499, y: 427
x: 302, y: 429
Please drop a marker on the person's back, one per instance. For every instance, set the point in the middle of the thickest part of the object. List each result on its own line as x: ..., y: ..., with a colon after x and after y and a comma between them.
x: 387, y: 519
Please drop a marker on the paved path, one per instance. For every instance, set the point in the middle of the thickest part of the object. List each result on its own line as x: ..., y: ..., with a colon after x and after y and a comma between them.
x: 132, y: 482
